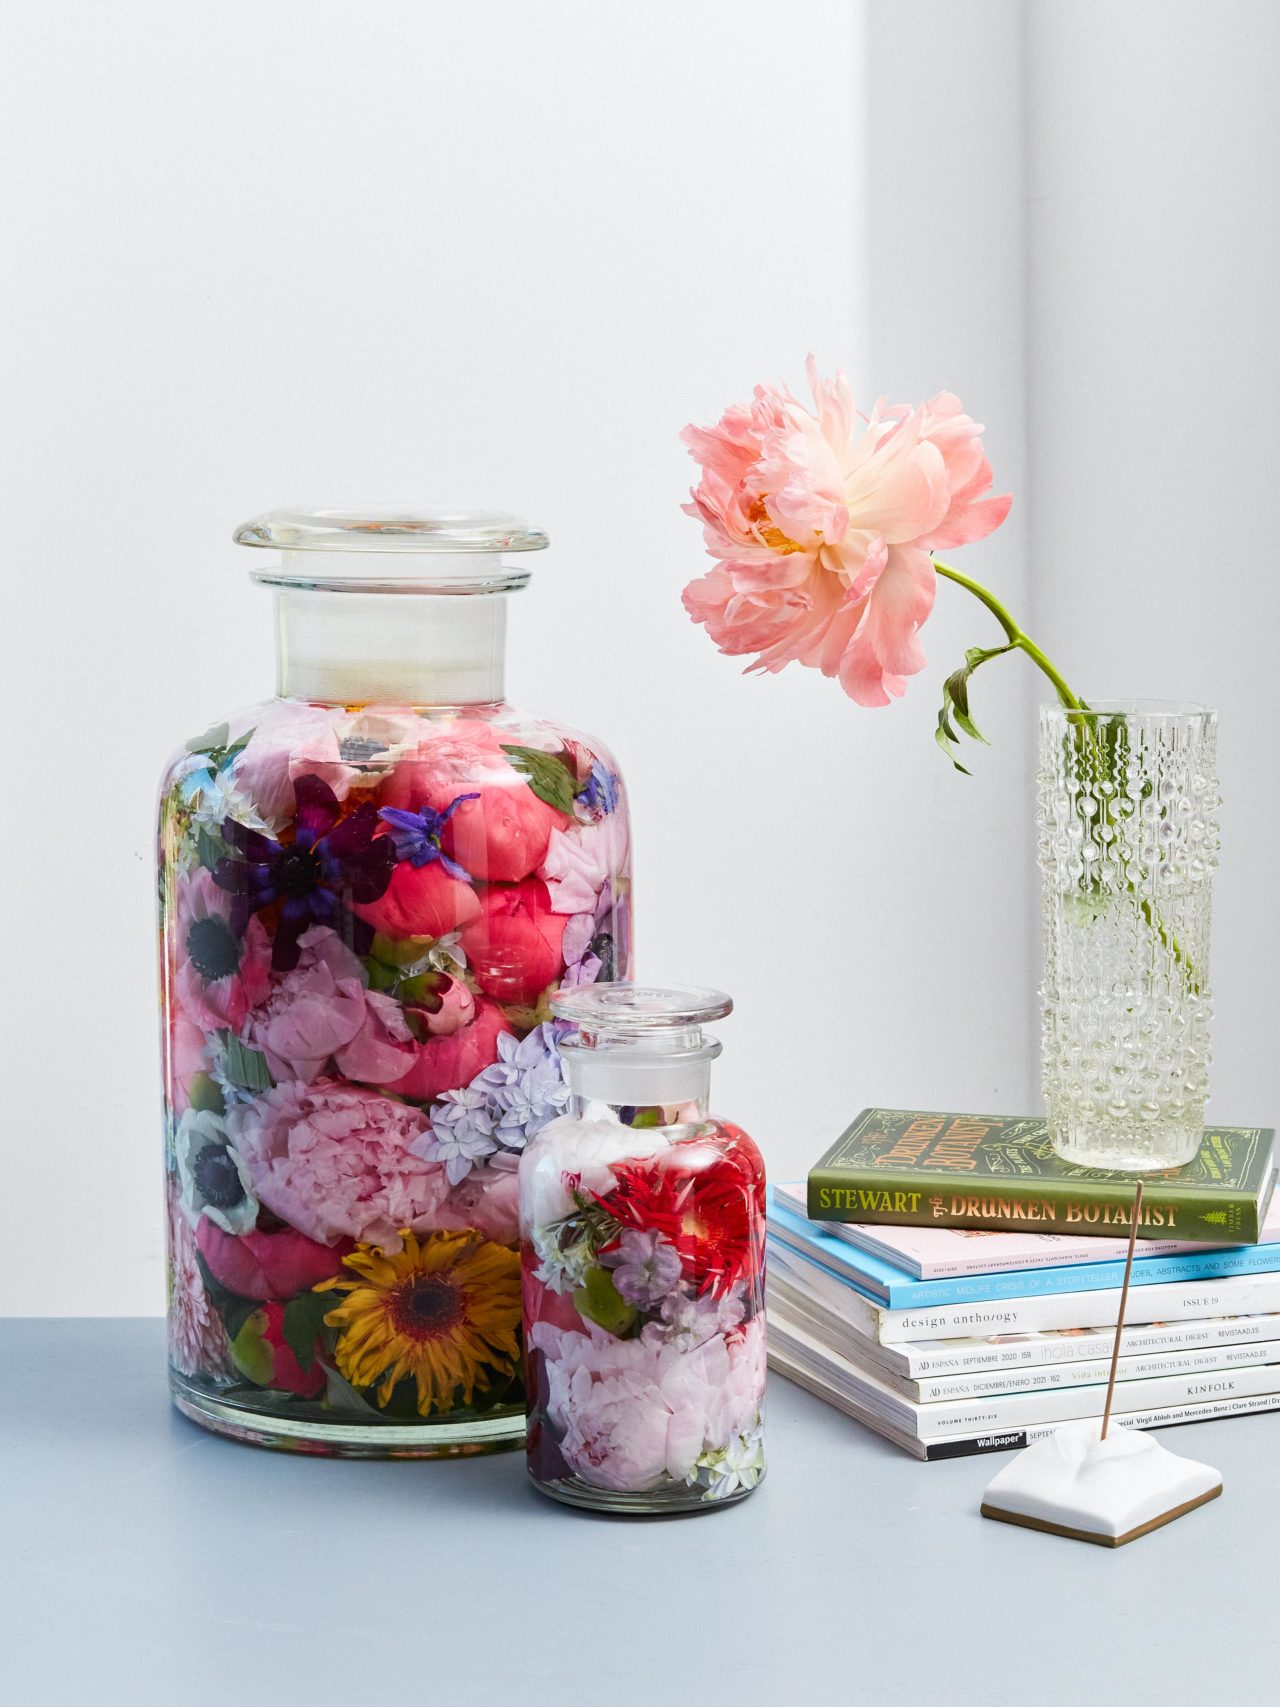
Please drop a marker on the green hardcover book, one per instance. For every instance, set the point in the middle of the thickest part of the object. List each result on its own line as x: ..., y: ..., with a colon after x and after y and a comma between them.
x: 998, y: 1173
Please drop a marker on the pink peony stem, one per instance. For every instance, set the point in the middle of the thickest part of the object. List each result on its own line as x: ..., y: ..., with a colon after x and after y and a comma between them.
x: 1168, y: 940
x: 1013, y: 633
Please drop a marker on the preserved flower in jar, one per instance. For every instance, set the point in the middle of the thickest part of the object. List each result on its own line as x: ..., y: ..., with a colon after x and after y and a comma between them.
x: 370, y: 888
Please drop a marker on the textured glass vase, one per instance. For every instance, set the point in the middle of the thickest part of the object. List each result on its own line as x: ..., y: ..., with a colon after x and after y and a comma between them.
x: 370, y: 887
x: 1128, y: 843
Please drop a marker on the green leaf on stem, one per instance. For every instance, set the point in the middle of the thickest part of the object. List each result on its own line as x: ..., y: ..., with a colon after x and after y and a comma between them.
x: 599, y: 1300
x: 341, y: 1396
x: 954, y: 713
x: 246, y: 1067
x: 205, y: 1094
x: 548, y: 775
x: 302, y: 1322
x: 216, y: 746
x: 210, y: 848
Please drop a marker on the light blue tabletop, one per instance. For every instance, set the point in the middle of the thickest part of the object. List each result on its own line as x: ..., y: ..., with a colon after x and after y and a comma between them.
x: 143, y: 1560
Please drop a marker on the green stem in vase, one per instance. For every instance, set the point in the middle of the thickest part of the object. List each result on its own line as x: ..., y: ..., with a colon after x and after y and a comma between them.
x: 1017, y: 639
x: 955, y: 706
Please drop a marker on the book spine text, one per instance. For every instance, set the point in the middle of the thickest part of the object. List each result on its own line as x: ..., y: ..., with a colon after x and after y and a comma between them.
x: 1020, y: 1205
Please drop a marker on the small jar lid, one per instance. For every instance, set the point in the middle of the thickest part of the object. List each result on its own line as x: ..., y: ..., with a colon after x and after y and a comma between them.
x: 638, y: 1043
x: 369, y: 548
x: 627, y: 1011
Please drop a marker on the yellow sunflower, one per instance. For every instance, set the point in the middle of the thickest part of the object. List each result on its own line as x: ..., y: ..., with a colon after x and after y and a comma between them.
x: 446, y: 1311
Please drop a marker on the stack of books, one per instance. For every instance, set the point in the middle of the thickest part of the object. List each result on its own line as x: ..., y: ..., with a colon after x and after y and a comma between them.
x: 948, y: 1336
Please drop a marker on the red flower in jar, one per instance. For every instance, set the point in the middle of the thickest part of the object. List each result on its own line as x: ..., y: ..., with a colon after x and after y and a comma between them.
x: 268, y: 1264
x: 423, y: 901
x: 705, y: 1195
x: 500, y: 830
x: 448, y: 1062
x: 514, y: 947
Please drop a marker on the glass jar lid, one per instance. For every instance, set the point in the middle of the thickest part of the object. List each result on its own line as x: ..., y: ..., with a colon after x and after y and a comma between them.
x: 630, y: 1009
x: 638, y: 1043
x: 640, y: 1016
x: 393, y: 547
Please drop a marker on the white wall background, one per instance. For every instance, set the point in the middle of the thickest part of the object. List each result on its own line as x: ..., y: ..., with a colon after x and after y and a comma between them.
x: 1153, y: 361
x: 499, y: 254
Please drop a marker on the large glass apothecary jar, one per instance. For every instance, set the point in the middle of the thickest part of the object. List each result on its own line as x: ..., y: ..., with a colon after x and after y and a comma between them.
x: 370, y: 887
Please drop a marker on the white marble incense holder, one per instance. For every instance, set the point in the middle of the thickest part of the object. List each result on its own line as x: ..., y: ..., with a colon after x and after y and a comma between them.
x: 1093, y: 1485
x: 1107, y: 1491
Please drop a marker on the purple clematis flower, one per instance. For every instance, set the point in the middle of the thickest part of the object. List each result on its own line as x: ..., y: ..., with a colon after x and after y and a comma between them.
x: 599, y: 793
x: 328, y: 865
x: 416, y: 835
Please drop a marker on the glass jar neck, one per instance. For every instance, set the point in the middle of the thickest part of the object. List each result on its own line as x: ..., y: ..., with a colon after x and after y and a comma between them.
x: 630, y: 1079
x: 676, y: 1113
x: 407, y: 646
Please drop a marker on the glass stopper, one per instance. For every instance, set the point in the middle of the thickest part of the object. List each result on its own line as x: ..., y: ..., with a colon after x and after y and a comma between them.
x: 640, y: 1015
x: 391, y: 530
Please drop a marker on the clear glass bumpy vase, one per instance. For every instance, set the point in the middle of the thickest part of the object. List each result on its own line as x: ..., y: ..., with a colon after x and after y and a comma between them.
x: 1128, y: 844
x: 370, y: 887
x: 642, y: 1222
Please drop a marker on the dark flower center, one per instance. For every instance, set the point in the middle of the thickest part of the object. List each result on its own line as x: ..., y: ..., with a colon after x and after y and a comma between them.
x: 295, y: 872
x: 601, y: 945
x: 212, y: 948
x: 217, y: 1177
x: 427, y: 1306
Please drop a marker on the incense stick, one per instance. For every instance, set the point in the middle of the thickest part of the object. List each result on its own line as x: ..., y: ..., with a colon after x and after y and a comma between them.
x: 1124, y: 1299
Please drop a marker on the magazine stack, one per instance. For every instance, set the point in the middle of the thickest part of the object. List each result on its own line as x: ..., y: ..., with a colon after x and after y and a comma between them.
x: 952, y: 1339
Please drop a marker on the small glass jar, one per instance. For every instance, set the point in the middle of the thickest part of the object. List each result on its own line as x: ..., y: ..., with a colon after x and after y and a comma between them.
x: 369, y: 888
x: 642, y: 1222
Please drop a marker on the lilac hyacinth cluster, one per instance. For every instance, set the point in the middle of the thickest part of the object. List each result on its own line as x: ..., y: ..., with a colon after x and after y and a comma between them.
x: 501, y: 1109
x: 646, y: 1267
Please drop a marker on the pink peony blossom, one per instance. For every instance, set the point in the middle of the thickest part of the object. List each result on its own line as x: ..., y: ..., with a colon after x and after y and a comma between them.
x: 290, y: 739
x: 581, y: 964
x: 634, y: 1410
x: 823, y: 530
x: 221, y: 974
x: 197, y: 1338
x: 514, y: 947
x: 455, y: 1007
x: 738, y: 1398
x: 188, y: 1055
x: 322, y: 1009
x: 262, y: 1264
x: 502, y: 836
x: 581, y: 861
x: 421, y: 901
x: 449, y: 1062
x: 542, y: 1304
x: 334, y: 1161
x: 455, y: 754
x: 488, y: 1199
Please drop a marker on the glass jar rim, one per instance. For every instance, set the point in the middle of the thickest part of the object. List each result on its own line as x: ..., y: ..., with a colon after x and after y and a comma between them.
x: 638, y: 1010
x: 1134, y: 710
x: 647, y: 1026
x: 391, y: 549
x: 393, y: 529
